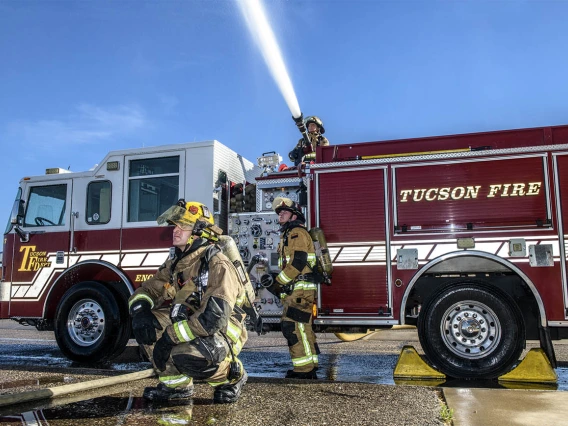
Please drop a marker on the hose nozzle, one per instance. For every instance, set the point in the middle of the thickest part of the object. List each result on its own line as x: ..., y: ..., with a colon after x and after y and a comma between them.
x: 300, y: 123
x: 302, y: 128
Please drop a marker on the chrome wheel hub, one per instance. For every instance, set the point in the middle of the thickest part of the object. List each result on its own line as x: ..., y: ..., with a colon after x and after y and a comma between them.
x: 470, y: 329
x: 86, y: 322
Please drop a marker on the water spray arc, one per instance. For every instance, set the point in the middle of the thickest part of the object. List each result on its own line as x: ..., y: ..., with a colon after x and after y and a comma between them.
x: 261, y: 31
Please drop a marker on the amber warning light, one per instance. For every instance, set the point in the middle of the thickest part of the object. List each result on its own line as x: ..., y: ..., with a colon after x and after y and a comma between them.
x: 56, y: 171
x: 113, y: 165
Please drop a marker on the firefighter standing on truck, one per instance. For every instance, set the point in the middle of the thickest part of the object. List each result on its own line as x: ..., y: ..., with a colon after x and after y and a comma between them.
x: 296, y: 260
x: 201, y: 334
x: 304, y: 153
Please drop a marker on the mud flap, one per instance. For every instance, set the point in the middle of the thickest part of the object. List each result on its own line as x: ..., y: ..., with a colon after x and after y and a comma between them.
x: 546, y: 345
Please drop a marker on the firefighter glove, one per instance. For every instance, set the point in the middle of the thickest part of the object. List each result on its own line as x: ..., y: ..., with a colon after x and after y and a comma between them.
x: 144, y: 323
x: 162, y: 351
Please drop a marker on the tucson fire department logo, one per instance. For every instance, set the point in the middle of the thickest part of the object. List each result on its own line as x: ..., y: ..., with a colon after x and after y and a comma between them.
x: 472, y: 192
x: 33, y: 260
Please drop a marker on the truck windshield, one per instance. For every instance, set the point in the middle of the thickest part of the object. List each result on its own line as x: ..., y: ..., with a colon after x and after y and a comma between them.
x: 46, y: 205
x: 14, y: 211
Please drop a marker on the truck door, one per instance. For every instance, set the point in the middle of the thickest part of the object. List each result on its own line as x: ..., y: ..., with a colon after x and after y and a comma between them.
x: 36, y: 263
x: 152, y: 184
x: 350, y: 208
x: 561, y: 169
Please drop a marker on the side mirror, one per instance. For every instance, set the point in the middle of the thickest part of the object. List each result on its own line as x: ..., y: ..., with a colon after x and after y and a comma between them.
x: 17, y: 216
x: 17, y: 219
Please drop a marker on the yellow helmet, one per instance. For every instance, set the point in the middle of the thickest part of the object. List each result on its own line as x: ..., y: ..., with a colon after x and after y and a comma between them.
x: 190, y: 216
x: 281, y: 203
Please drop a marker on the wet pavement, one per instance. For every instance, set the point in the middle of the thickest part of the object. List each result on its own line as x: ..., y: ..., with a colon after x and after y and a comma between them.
x: 481, y: 407
x: 355, y: 386
x: 263, y: 402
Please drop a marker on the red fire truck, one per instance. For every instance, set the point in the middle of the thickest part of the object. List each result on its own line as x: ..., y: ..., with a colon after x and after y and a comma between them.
x: 460, y: 235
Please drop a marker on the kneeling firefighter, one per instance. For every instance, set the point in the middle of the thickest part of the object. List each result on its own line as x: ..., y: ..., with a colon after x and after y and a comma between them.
x: 201, y: 334
x: 296, y: 282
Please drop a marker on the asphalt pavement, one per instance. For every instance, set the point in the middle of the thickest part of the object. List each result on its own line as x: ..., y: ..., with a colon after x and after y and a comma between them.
x: 268, y: 399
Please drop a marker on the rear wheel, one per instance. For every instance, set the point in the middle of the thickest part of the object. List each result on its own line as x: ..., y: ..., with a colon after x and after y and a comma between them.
x: 90, y: 326
x: 471, y: 330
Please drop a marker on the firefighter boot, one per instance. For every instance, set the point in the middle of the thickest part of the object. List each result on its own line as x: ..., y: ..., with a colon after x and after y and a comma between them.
x: 226, y: 394
x: 291, y: 374
x: 164, y: 393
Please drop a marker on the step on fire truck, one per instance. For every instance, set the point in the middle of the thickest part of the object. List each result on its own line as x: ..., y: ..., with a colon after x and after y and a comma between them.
x: 460, y: 235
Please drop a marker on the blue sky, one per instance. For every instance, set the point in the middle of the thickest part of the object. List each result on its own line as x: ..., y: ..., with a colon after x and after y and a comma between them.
x: 81, y: 78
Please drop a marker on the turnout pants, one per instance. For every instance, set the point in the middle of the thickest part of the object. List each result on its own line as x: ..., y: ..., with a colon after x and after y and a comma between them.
x: 297, y: 329
x: 204, y: 358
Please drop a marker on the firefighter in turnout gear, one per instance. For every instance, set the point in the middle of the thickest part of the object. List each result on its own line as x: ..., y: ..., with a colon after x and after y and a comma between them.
x: 199, y: 335
x: 296, y: 284
x: 304, y: 153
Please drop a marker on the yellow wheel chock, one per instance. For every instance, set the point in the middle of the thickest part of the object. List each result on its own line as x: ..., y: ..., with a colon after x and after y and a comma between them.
x: 411, y: 367
x: 535, y: 368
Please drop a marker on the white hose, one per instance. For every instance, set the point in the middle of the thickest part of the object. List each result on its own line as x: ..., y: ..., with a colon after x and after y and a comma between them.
x: 17, y: 398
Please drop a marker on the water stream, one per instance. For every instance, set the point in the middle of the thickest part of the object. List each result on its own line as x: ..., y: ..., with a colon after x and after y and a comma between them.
x: 261, y: 31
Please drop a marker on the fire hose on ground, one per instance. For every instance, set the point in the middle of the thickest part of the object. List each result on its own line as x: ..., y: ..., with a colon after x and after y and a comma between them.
x: 57, y: 391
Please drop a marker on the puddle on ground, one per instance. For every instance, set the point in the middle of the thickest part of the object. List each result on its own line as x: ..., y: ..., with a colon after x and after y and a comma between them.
x: 121, y: 410
x: 370, y: 368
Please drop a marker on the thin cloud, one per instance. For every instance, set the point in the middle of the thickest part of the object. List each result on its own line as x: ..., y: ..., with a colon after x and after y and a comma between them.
x: 88, y: 124
x: 169, y: 103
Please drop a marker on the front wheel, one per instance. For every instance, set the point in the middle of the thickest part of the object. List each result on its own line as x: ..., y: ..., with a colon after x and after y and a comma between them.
x: 471, y: 330
x: 90, y: 326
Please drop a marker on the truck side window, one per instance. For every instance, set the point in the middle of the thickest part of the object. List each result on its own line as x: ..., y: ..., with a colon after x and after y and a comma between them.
x: 153, y: 187
x: 98, y: 202
x: 46, y: 206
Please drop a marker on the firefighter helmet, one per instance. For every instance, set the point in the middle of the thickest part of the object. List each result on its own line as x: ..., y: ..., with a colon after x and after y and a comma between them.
x: 281, y: 203
x: 316, y: 120
x: 189, y: 216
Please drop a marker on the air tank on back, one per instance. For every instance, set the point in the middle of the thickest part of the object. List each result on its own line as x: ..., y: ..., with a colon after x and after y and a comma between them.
x: 322, y: 253
x: 229, y: 248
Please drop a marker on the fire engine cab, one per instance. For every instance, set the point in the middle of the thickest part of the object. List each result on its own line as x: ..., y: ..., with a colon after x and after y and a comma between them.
x: 78, y: 244
x: 462, y: 236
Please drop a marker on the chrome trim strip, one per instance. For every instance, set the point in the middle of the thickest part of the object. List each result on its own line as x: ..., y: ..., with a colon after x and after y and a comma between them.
x: 348, y: 321
x: 559, y: 216
x: 387, y: 237
x: 558, y: 323
x: 122, y: 276
x: 467, y: 154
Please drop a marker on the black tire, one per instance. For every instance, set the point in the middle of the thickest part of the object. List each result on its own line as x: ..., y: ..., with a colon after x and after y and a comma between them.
x: 90, y: 327
x: 471, y: 330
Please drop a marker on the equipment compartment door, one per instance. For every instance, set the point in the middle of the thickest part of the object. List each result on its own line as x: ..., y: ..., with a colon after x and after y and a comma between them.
x: 562, y: 206
x: 350, y: 208
x: 36, y: 263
